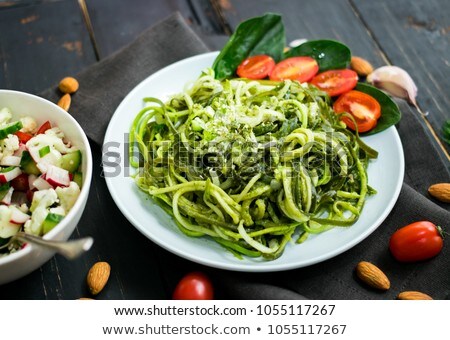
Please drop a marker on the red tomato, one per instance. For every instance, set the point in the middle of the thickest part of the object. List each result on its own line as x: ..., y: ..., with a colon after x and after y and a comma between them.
x: 20, y: 183
x: 194, y: 286
x: 364, y: 108
x: 416, y: 242
x: 256, y: 67
x: 336, y: 82
x: 44, y: 127
x: 295, y: 68
x: 23, y: 136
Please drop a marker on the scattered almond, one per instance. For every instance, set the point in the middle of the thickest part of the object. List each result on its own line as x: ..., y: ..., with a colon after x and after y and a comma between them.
x: 441, y: 191
x: 361, y: 66
x: 98, y: 277
x: 68, y: 85
x: 65, y: 102
x: 412, y: 295
x: 372, y: 276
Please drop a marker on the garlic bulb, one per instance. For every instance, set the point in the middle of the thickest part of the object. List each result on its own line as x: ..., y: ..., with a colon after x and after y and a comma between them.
x: 396, y: 81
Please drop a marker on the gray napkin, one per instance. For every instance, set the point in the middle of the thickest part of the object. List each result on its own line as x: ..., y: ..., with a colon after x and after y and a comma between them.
x: 104, y: 85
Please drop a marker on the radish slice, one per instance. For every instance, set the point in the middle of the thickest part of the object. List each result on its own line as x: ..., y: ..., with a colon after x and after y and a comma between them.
x: 22, y: 148
x: 42, y: 166
x: 49, y: 159
x: 57, y: 177
x: 31, y: 179
x: 7, y: 199
x: 17, y: 216
x: 41, y: 184
x: 34, y: 153
x: 10, y: 175
x: 10, y: 161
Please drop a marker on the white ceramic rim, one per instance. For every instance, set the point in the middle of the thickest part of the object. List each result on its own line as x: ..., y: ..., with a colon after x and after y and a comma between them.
x: 247, y: 267
x: 84, y: 190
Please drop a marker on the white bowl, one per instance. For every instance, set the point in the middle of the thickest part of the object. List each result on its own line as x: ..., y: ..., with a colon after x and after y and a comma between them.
x: 30, y: 258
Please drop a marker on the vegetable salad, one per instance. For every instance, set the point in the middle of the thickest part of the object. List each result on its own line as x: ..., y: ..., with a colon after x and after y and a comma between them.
x: 40, y: 178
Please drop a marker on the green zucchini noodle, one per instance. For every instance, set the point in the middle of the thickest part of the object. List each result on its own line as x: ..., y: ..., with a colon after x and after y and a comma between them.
x: 250, y: 164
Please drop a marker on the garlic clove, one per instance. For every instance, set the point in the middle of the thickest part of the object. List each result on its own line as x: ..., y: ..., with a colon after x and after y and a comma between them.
x: 396, y: 81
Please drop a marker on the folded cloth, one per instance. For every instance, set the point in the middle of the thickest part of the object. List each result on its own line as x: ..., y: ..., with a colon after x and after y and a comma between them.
x: 104, y: 85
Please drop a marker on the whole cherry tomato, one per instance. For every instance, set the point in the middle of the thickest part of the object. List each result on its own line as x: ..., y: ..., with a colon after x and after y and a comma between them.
x: 416, y: 242
x: 194, y: 286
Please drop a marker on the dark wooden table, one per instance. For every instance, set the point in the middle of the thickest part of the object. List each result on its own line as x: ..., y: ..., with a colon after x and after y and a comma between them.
x: 41, y: 41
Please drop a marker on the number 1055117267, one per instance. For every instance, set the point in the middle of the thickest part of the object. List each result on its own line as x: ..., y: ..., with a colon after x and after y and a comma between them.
x: 301, y: 309
x: 305, y: 329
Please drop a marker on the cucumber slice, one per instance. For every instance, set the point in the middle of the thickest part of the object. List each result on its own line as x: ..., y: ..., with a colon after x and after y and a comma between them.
x: 50, y: 222
x: 8, y: 169
x: 71, y: 161
x: 44, y: 150
x: 5, y: 186
x: 78, y: 178
x: 28, y: 165
x: 9, y: 129
x: 4, y: 189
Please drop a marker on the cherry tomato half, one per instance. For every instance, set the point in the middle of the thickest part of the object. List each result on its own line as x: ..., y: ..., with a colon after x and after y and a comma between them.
x: 336, y: 82
x: 23, y: 136
x: 44, y: 127
x: 256, y: 67
x: 364, y: 108
x: 295, y: 68
x: 416, y: 242
x: 194, y: 286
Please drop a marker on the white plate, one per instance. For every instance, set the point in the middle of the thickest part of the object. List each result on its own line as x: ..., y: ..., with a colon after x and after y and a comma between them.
x: 385, y: 174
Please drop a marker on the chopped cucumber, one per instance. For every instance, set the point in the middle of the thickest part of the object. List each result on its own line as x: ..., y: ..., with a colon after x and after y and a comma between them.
x: 4, y: 189
x: 50, y: 222
x: 9, y: 129
x: 43, y: 151
x: 8, y: 169
x: 28, y: 165
x: 71, y: 161
x: 78, y: 178
x: 4, y: 186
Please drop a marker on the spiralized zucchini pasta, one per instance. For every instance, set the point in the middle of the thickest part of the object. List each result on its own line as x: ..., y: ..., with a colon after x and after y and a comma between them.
x: 250, y: 164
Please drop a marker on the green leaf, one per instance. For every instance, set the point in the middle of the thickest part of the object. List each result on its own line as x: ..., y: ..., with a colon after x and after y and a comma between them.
x: 329, y: 54
x: 390, y: 113
x: 260, y: 35
x: 446, y: 131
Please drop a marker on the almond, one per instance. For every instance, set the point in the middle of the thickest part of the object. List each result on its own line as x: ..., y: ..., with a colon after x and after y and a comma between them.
x: 412, y: 295
x: 98, y: 277
x: 441, y: 191
x: 372, y: 276
x: 361, y: 66
x: 68, y: 85
x: 65, y: 101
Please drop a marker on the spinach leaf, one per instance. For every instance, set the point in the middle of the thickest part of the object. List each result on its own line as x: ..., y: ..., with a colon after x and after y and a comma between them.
x: 390, y: 113
x: 329, y: 54
x: 260, y: 35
